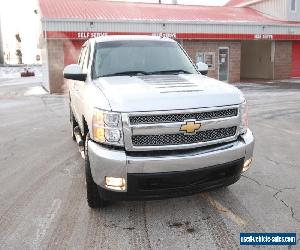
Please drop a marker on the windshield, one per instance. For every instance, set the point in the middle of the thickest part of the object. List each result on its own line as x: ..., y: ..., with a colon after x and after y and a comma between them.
x: 140, y: 57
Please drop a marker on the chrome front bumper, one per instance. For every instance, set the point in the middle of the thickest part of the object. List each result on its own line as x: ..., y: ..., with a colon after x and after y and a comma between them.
x: 116, y: 163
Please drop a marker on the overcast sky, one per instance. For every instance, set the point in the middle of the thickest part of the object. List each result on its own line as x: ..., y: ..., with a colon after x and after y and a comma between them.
x: 17, y: 16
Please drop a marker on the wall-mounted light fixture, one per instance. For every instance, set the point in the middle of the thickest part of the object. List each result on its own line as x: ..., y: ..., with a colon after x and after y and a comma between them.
x: 91, y: 25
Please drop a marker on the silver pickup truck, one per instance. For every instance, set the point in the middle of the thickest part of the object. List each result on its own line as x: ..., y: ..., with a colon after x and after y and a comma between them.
x: 149, y: 125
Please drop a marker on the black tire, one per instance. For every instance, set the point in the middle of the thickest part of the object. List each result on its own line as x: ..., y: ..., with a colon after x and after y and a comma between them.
x: 93, y: 197
x: 73, y: 123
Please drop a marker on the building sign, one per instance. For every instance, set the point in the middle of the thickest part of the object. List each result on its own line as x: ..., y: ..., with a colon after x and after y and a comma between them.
x: 87, y: 35
x: 169, y: 35
x: 200, y: 36
x: 263, y: 37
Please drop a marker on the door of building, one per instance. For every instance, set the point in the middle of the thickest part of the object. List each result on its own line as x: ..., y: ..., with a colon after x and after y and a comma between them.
x: 223, y: 64
x: 295, y: 59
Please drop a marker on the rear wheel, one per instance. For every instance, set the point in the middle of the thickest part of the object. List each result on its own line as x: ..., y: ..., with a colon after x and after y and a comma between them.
x: 93, y: 197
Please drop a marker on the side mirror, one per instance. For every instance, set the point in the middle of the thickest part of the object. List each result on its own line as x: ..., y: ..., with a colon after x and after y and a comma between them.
x: 74, y: 72
x: 202, y: 67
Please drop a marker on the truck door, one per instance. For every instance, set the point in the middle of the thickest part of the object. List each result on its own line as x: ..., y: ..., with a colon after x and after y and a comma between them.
x: 80, y: 85
x: 77, y: 86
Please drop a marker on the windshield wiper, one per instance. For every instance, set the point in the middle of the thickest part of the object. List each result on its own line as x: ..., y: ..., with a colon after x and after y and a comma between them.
x: 140, y: 72
x: 172, y: 71
x: 127, y: 73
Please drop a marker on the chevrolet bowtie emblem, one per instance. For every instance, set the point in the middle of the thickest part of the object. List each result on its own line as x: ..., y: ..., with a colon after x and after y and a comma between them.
x: 190, y: 127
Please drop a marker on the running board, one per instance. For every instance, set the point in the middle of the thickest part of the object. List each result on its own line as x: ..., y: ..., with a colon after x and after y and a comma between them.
x: 81, y: 151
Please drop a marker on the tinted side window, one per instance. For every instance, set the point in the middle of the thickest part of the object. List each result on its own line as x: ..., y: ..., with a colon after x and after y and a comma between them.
x: 86, y: 60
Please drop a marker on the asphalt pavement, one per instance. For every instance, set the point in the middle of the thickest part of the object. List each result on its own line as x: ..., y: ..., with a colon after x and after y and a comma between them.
x: 42, y: 186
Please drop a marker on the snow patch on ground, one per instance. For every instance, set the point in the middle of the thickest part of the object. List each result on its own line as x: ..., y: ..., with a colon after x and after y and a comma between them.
x: 291, y: 80
x: 38, y: 90
x: 15, y: 72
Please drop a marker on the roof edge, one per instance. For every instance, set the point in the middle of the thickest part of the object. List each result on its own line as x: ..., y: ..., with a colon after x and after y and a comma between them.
x: 78, y: 20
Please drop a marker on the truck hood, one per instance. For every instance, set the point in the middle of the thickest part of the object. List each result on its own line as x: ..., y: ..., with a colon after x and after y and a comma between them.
x: 166, y: 92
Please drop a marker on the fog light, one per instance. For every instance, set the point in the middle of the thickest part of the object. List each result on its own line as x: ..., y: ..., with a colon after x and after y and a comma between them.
x: 115, y: 183
x: 247, y: 165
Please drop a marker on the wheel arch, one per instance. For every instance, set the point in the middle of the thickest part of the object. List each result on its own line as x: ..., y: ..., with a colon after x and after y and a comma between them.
x: 85, y: 128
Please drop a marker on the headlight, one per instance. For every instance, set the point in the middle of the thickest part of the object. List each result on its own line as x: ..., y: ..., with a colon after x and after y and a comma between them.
x: 244, y: 117
x: 107, y: 127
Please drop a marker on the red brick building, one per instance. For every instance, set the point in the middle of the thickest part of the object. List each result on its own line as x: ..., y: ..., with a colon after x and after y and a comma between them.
x: 241, y: 40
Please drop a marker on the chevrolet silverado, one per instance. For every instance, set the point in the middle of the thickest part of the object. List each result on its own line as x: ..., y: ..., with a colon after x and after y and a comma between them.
x: 149, y: 125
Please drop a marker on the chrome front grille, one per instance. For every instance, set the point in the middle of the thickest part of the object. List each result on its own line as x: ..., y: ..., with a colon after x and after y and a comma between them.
x: 177, y: 139
x: 181, y: 117
x: 167, y: 130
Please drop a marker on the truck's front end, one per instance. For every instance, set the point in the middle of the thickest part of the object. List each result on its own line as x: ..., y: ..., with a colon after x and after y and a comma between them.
x: 169, y: 153
x: 157, y: 127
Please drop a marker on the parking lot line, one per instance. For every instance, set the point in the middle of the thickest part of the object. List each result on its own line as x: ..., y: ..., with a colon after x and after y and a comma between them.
x: 228, y: 213
x: 46, y: 222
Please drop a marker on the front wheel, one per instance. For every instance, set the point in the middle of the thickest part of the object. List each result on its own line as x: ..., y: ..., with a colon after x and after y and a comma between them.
x: 93, y: 197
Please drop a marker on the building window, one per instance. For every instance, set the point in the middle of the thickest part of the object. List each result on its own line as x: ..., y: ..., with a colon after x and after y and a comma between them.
x: 206, y: 57
x: 293, y: 5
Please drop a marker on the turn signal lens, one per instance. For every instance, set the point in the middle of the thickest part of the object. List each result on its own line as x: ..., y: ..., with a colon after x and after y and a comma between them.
x: 98, y: 126
x: 99, y: 134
